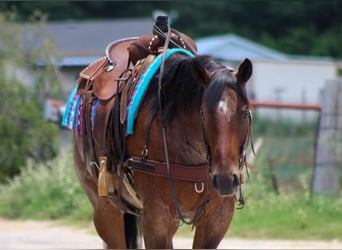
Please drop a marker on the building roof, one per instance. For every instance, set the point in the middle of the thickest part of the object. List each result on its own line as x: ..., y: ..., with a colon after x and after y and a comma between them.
x: 79, y: 42
x: 233, y: 47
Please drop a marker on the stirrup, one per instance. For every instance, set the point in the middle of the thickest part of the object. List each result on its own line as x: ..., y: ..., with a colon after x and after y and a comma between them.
x: 105, y: 185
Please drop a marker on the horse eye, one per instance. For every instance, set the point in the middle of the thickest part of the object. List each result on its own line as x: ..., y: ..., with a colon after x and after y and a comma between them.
x: 246, y: 114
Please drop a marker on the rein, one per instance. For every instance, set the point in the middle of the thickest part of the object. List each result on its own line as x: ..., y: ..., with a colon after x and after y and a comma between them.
x: 167, y: 161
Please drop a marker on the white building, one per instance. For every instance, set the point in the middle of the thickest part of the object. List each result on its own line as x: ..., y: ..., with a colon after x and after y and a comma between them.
x: 276, y: 76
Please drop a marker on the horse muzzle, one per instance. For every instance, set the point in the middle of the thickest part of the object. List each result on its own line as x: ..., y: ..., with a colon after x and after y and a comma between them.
x: 226, y: 185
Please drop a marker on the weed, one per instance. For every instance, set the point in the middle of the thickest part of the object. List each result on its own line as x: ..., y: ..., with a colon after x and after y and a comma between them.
x: 45, y: 191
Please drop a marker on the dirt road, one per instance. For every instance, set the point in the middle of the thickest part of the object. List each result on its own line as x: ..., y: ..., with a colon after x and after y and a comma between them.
x: 48, y: 235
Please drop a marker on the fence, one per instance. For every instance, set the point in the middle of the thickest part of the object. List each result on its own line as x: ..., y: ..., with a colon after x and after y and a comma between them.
x: 328, y: 148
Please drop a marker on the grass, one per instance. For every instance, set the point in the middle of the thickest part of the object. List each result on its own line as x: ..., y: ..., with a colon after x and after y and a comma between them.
x: 295, y: 213
x: 52, y: 191
x: 43, y: 192
x: 286, y: 217
x: 289, y: 216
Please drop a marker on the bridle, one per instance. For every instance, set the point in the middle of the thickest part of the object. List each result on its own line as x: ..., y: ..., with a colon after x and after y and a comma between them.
x: 243, y: 152
x: 243, y: 157
x: 243, y: 149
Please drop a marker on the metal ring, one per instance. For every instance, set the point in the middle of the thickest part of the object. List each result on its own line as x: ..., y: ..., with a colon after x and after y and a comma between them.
x: 199, y: 190
x: 109, y: 67
x: 144, y: 152
x: 94, y: 163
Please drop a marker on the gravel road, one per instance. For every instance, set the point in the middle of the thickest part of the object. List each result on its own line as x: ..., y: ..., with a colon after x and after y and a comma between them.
x: 49, y: 235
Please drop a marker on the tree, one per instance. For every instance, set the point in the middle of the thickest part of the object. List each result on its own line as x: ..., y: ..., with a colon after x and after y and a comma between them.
x: 292, y: 26
x: 23, y: 132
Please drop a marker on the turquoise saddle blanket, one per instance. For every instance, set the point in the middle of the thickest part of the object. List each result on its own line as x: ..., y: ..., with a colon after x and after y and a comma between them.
x: 72, y: 117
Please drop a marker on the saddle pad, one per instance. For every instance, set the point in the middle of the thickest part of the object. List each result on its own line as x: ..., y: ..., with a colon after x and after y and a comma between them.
x: 72, y: 118
x: 143, y: 83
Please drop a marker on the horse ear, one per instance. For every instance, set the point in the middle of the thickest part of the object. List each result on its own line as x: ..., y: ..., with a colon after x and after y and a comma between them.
x: 244, y: 72
x: 200, y: 73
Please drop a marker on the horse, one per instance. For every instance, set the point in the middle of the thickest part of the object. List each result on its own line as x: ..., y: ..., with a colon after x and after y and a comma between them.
x: 194, y: 125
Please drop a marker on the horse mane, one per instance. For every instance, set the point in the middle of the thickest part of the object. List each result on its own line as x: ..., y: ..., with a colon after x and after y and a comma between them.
x: 180, y: 90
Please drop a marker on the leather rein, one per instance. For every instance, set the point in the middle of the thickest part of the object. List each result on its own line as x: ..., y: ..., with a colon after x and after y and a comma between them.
x: 166, y: 154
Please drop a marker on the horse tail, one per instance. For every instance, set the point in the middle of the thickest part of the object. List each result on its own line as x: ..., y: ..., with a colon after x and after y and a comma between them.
x: 132, y: 231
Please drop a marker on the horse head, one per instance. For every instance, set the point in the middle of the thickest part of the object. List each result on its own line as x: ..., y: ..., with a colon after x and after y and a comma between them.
x: 226, y: 119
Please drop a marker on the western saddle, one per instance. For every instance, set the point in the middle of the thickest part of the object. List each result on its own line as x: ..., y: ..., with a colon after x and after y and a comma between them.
x: 111, y: 80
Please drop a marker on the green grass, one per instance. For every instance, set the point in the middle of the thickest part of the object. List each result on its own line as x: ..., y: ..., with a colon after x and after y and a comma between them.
x: 47, y: 191
x: 286, y: 217
x: 289, y: 217
x: 295, y: 213
x: 52, y: 191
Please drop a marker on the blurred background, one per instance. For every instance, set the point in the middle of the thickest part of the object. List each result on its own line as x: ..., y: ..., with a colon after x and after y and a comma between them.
x: 295, y: 48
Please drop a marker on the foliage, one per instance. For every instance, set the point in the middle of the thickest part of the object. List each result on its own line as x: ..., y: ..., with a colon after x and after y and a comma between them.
x: 52, y: 191
x: 282, y: 127
x: 288, y: 151
x: 294, y: 213
x: 289, y: 216
x: 23, y: 132
x: 45, y: 191
x: 295, y: 27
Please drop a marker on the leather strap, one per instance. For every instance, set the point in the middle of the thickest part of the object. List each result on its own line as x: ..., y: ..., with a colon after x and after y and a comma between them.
x: 191, y: 173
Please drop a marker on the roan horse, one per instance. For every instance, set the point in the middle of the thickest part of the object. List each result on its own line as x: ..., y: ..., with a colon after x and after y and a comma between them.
x: 194, y: 124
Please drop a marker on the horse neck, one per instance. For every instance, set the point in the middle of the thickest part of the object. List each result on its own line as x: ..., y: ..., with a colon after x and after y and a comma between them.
x: 186, y: 139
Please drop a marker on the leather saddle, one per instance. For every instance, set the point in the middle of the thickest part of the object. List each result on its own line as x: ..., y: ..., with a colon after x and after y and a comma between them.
x: 102, y: 74
x: 122, y: 54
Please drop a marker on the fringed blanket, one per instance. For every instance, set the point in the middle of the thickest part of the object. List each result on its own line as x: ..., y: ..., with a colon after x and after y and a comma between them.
x: 72, y: 118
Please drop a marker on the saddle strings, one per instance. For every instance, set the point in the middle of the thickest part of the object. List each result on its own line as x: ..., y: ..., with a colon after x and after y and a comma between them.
x: 160, y: 33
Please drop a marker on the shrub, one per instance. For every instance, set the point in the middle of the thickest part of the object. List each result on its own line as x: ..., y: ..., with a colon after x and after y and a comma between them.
x: 23, y: 132
x: 45, y: 191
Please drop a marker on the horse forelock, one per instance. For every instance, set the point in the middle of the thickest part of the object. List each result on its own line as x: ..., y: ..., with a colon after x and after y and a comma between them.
x: 222, y: 79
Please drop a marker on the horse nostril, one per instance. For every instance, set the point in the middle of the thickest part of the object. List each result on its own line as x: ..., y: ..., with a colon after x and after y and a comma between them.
x: 236, y: 180
x: 226, y: 184
x: 215, y: 183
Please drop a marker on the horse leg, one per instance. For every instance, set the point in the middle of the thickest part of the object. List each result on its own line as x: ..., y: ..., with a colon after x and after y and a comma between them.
x: 133, y: 231
x: 113, y: 227
x: 159, y: 226
x: 213, y: 225
x: 109, y: 224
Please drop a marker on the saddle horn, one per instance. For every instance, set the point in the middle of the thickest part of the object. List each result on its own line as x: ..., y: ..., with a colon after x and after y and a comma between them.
x: 161, y: 23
